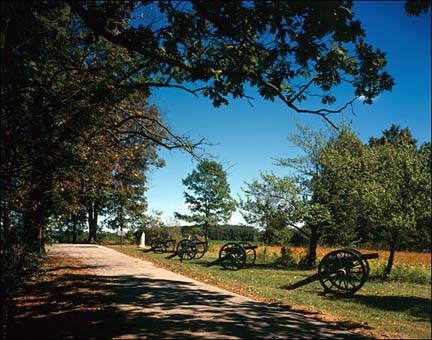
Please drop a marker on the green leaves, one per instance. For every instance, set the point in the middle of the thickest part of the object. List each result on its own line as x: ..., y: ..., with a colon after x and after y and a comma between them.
x: 273, y: 203
x: 208, y: 196
x: 381, y: 192
x: 229, y: 44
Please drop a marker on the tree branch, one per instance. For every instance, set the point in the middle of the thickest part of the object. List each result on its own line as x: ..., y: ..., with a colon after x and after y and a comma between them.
x: 119, y: 40
x: 157, y: 84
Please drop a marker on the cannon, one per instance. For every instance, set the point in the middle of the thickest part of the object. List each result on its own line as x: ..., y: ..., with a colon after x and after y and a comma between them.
x: 190, y: 249
x: 340, y: 272
x: 162, y: 245
x: 234, y: 256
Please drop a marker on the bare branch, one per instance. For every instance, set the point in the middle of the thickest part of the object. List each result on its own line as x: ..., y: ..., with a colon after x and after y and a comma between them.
x: 320, y: 112
x: 303, y: 89
x: 157, y: 84
x: 301, y: 230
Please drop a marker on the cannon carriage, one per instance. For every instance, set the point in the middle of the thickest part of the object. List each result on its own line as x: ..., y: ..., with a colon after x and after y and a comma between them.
x: 162, y: 245
x: 340, y: 272
x: 190, y: 249
x: 235, y: 256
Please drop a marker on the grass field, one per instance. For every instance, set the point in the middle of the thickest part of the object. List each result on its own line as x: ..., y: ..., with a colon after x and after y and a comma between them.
x: 397, y: 308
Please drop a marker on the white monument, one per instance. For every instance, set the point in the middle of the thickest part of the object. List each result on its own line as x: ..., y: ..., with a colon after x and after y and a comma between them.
x: 142, y: 240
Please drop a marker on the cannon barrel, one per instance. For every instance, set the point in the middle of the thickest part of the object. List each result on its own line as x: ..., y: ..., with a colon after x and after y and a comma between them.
x: 369, y: 256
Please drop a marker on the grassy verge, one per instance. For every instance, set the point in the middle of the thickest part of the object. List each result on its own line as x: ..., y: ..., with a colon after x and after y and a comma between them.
x: 394, y: 309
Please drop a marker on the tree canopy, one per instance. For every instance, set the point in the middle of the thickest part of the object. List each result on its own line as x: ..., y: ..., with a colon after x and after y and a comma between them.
x: 288, y: 50
x: 207, y: 196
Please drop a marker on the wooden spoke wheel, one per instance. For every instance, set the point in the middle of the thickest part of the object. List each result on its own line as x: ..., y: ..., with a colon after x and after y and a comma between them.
x: 343, y: 272
x: 201, y: 248
x: 158, y: 246
x: 366, y: 263
x: 250, y: 253
x: 186, y: 249
x: 232, y: 256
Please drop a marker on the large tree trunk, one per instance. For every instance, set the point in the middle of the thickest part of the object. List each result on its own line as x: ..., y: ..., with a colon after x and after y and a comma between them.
x: 313, y: 242
x: 393, y: 246
x: 74, y: 227
x: 390, y: 260
x: 93, y: 211
x: 390, y: 263
x: 206, y: 231
x: 36, y: 215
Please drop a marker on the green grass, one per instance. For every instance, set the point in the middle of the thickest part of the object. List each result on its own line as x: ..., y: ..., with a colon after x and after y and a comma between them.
x: 395, y: 309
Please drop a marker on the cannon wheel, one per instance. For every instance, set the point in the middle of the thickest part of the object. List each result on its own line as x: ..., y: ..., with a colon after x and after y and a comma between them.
x: 158, y: 246
x: 201, y: 248
x: 366, y: 263
x: 250, y: 253
x: 186, y: 249
x: 342, y: 272
x: 232, y: 256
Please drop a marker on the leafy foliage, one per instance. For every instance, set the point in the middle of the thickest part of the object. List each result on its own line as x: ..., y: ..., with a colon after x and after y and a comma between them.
x: 288, y: 50
x: 272, y: 204
x: 208, y: 196
x: 309, y: 172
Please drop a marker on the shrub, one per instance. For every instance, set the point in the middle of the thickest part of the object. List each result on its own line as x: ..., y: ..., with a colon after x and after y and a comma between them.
x: 287, y: 258
x: 403, y: 272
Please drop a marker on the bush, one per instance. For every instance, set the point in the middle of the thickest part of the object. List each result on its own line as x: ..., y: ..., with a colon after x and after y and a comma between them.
x: 287, y: 258
x: 17, y: 265
x: 402, y: 272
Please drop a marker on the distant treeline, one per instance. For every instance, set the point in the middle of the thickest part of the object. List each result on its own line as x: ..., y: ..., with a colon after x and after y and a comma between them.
x: 227, y: 232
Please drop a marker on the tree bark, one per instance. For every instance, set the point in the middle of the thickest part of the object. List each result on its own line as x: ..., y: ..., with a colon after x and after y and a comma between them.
x: 390, y: 261
x: 36, y: 215
x: 313, y: 242
x: 74, y: 227
x: 393, y: 246
x: 93, y: 211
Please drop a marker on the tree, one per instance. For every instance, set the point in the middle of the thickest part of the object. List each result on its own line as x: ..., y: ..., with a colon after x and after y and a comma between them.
x: 273, y: 204
x: 134, y: 155
x: 417, y: 7
x: 422, y: 237
x: 397, y: 193
x: 395, y: 135
x: 288, y: 50
x: 209, y: 198
x: 309, y: 171
x: 62, y: 115
x: 344, y: 173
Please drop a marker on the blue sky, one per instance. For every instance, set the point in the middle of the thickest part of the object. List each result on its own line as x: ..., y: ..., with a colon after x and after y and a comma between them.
x: 246, y: 139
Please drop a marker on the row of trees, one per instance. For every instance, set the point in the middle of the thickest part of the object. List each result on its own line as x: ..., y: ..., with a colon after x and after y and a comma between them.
x: 347, y: 193
x: 342, y: 193
x: 75, y: 142
x: 77, y: 130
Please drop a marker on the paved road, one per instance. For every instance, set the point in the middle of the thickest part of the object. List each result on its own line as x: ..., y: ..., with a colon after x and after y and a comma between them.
x: 143, y: 301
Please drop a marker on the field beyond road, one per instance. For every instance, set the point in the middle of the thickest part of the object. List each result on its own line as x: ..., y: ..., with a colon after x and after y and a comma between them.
x: 399, y: 308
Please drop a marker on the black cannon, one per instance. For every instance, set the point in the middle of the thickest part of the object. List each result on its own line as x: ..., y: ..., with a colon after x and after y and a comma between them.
x: 190, y: 249
x: 340, y: 272
x: 162, y: 245
x: 234, y: 256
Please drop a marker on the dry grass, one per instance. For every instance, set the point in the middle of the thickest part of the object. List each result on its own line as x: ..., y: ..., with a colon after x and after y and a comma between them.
x: 400, y: 257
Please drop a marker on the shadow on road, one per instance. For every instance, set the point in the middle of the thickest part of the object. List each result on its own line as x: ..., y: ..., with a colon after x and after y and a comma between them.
x: 84, y: 306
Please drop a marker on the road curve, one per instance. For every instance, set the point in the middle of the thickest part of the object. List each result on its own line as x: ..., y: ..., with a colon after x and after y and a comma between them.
x: 144, y: 301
